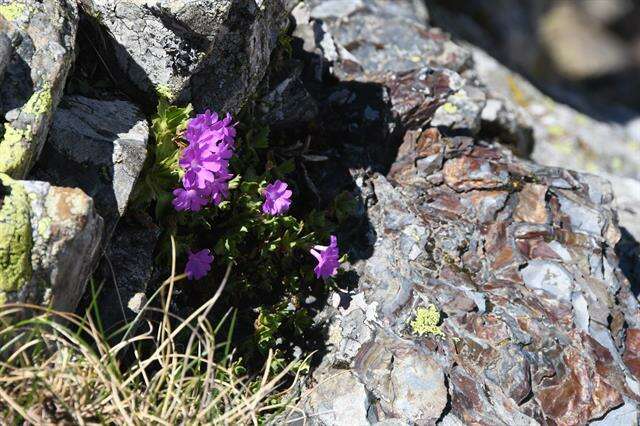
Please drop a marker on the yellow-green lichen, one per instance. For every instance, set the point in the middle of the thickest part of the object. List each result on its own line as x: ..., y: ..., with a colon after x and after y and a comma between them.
x: 40, y: 102
x: 15, y: 236
x: 14, y: 150
x: 12, y: 11
x: 450, y: 108
x: 556, y: 131
x: 426, y: 321
x: 44, y: 227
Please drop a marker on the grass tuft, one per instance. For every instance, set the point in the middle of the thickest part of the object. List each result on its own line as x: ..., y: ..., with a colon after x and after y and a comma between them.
x: 60, y: 368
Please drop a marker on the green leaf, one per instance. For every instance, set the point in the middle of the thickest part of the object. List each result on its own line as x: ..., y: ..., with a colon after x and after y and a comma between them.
x: 261, y: 140
x: 286, y: 167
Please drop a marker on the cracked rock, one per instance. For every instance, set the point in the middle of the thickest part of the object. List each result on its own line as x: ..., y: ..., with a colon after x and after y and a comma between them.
x: 49, y: 242
x: 210, y: 53
x: 537, y: 320
x: 36, y: 52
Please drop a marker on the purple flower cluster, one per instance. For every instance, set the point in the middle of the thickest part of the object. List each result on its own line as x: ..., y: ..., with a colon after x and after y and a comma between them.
x: 206, y: 179
x: 205, y: 162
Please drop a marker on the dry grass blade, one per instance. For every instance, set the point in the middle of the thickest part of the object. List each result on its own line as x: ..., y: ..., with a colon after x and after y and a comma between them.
x: 58, y: 368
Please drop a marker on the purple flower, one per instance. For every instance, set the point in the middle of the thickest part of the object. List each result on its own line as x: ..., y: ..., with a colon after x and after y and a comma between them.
x: 199, y: 124
x: 198, y: 264
x: 221, y: 150
x: 327, y: 258
x: 189, y: 199
x: 199, y: 165
x: 218, y: 190
x: 277, y: 198
x: 224, y: 130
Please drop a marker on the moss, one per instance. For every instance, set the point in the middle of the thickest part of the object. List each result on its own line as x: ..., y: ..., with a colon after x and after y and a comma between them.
x: 12, y: 11
x: 426, y: 321
x: 40, y: 102
x: 13, y: 150
x: 15, y: 236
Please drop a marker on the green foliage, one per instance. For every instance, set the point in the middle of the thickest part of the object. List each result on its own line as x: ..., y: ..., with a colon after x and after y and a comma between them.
x: 274, y: 268
x: 162, y: 174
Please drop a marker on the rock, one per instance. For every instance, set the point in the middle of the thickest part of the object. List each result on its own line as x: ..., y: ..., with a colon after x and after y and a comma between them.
x: 36, y: 52
x: 420, y: 393
x: 49, y: 242
x: 632, y: 351
x: 339, y: 399
x: 463, y: 174
x: 288, y: 104
x: 563, y: 136
x: 396, y: 38
x: 548, y: 276
x: 210, y: 53
x: 125, y: 270
x: 99, y: 147
x: 531, y: 315
x: 531, y: 205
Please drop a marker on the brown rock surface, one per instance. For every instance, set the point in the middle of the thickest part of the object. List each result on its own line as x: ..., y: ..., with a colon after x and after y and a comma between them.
x: 517, y: 258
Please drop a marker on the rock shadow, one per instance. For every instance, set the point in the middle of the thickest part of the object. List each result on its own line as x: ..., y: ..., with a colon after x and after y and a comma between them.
x: 628, y: 251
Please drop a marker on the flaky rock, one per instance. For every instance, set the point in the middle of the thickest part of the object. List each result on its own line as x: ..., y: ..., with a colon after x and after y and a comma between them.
x: 488, y: 287
x: 98, y: 146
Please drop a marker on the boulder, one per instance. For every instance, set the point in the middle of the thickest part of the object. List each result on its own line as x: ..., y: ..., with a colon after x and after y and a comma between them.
x: 99, y: 146
x: 49, y: 242
x: 485, y: 288
x: 36, y: 51
x: 210, y: 53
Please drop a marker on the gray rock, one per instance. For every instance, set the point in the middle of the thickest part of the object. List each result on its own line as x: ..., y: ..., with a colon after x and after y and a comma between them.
x: 395, y: 39
x: 563, y: 136
x: 99, y: 147
x: 419, y: 391
x: 338, y: 399
x: 125, y: 271
x: 548, y: 276
x: 626, y: 415
x: 211, y: 53
x: 41, y: 41
x: 289, y: 103
x: 49, y: 243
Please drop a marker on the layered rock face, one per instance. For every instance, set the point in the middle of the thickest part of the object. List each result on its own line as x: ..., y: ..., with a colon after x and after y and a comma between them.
x: 52, y: 231
x: 488, y: 287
